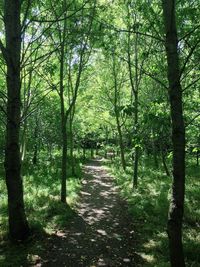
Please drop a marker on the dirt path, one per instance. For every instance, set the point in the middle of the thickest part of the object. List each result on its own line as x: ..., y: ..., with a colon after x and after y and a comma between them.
x: 101, y: 233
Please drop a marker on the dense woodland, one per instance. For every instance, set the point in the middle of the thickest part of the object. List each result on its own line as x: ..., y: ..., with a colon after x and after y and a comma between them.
x: 111, y: 79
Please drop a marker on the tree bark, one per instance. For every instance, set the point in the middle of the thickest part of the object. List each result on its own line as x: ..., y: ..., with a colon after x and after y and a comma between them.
x: 121, y: 144
x: 63, y: 113
x: 197, y: 157
x: 136, y: 156
x: 18, y: 225
x: 175, y: 216
x: 164, y: 162
x: 117, y: 116
x: 134, y: 82
x: 163, y: 155
x: 155, y: 152
x: 63, y: 125
x: 64, y: 164
x: 71, y: 117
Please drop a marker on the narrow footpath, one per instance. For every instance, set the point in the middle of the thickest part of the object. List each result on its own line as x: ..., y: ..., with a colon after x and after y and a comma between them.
x: 102, y: 231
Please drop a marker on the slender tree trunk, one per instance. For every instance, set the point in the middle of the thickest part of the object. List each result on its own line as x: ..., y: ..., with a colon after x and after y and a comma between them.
x: 178, y: 137
x: 35, y: 152
x: 64, y: 134
x: 23, y: 142
x: 63, y: 114
x: 26, y: 104
x: 72, y: 144
x: 84, y: 152
x: 18, y: 225
x: 96, y: 150
x: 134, y: 88
x: 64, y: 164
x: 164, y: 162
x: 121, y: 144
x: 92, y: 153
x: 136, y: 156
x: 154, y: 150
x: 117, y: 114
x: 72, y: 155
x: 197, y: 157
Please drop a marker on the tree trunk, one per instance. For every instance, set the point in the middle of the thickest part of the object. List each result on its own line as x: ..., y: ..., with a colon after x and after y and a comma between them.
x: 136, y: 156
x: 64, y: 164
x: 84, y: 152
x: 134, y: 82
x: 135, y: 167
x: 97, y: 150
x: 63, y: 114
x: 18, y: 225
x: 164, y: 162
x: 117, y: 114
x: 121, y: 145
x: 175, y: 216
x: 155, y: 156
x: 23, y: 142
x: 35, y: 153
x: 197, y: 157
x: 72, y: 144
x: 92, y: 153
x: 64, y: 135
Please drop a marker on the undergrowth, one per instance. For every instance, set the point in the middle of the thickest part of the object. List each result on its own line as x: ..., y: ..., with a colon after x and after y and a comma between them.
x: 45, y: 212
x: 148, y: 205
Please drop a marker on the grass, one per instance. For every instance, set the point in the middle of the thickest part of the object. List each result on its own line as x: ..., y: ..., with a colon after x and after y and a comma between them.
x: 46, y: 214
x: 148, y: 205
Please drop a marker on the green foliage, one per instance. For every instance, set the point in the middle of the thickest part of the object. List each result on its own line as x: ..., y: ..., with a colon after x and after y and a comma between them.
x: 148, y: 205
x: 42, y: 195
x: 123, y: 56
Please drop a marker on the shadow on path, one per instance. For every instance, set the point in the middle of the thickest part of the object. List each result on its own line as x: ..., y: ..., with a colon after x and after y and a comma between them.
x: 101, y: 232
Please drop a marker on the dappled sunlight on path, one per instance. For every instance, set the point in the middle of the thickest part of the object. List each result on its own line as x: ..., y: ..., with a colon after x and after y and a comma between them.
x: 101, y: 232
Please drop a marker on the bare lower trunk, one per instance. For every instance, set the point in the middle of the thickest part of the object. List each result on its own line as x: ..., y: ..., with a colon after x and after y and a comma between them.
x: 63, y: 116
x: 35, y: 153
x: 165, y: 163
x: 121, y: 145
x: 84, y: 153
x: 64, y: 165
x: 155, y: 152
x: 134, y: 82
x: 175, y: 216
x: 18, y: 226
x: 23, y: 142
x: 92, y: 153
x: 135, y: 167
x: 72, y: 148
x: 136, y: 156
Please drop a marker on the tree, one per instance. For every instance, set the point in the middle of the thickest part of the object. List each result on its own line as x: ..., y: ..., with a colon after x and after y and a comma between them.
x: 18, y: 225
x: 175, y: 216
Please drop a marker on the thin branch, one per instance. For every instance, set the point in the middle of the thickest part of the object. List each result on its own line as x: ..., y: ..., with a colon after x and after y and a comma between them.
x: 192, y: 83
x: 3, y: 50
x: 188, y: 57
x: 61, y: 19
x: 191, y: 121
x: 189, y: 33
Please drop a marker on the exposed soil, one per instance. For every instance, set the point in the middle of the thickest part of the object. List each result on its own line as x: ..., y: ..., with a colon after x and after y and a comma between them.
x: 101, y: 233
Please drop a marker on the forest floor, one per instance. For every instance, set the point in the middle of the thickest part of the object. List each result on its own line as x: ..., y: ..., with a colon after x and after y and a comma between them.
x: 101, y: 232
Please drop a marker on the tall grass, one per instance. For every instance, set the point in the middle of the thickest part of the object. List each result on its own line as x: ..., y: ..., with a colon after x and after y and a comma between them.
x: 148, y: 205
x: 42, y: 194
